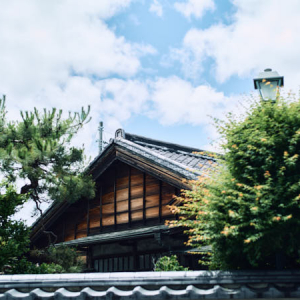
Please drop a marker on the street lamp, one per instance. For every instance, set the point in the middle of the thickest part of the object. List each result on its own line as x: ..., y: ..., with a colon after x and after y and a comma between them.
x: 268, y: 83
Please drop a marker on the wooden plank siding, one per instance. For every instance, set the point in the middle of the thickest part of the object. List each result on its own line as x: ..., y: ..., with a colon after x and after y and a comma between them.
x: 126, y: 197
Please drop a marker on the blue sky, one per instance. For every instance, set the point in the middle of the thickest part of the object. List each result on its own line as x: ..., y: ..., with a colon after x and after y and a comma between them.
x: 166, y: 31
x: 158, y: 68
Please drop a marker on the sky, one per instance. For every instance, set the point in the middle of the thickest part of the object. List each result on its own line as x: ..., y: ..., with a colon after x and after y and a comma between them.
x: 157, y: 68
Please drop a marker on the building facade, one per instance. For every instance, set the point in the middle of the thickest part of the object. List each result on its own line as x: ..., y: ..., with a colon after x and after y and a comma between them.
x: 123, y: 227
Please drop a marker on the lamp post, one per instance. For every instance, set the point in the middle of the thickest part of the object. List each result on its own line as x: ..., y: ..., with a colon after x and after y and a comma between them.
x: 268, y: 83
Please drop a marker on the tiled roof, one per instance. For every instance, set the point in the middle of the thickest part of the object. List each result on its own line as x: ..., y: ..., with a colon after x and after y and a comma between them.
x: 153, y: 285
x: 187, y: 161
x: 192, y: 158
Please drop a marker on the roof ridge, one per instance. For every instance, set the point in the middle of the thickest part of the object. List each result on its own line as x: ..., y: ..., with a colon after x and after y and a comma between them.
x: 193, y: 154
x: 134, y: 137
x: 137, y: 139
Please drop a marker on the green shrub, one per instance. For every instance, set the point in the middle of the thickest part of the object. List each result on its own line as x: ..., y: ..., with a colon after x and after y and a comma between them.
x: 66, y: 257
x: 55, y: 259
x: 169, y: 263
x: 58, y: 259
x: 248, y: 208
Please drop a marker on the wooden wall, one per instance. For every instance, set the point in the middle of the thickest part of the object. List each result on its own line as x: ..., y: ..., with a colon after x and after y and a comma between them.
x: 126, y: 197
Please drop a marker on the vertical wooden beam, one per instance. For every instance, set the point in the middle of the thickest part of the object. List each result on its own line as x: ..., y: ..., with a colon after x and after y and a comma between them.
x: 88, y: 218
x: 89, y: 257
x: 64, y: 231
x: 144, y: 198
x: 129, y: 196
x: 75, y: 231
x: 160, y: 202
x: 177, y: 191
x: 100, y: 208
x: 135, y: 258
x: 115, y: 198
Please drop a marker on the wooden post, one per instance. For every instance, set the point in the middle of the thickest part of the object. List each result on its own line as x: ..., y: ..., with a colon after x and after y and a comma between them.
x: 129, y: 196
x: 135, y: 258
x: 144, y: 198
x: 115, y: 199
x: 89, y: 257
x: 64, y: 231
x: 177, y: 191
x: 101, y: 208
x: 75, y: 231
x: 88, y: 218
x: 160, y: 202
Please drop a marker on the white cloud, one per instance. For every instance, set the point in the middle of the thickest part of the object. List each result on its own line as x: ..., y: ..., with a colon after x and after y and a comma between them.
x: 176, y: 101
x: 104, y: 8
x: 156, y: 8
x: 76, y: 92
x: 170, y: 101
x: 48, y: 42
x: 113, y: 101
x: 120, y: 99
x: 262, y: 34
x: 195, y: 8
x: 53, y: 53
x: 51, y: 40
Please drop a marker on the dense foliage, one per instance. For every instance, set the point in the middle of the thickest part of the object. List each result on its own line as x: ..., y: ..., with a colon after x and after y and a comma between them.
x: 169, y: 263
x: 54, y: 259
x: 14, y: 235
x: 37, y: 150
x: 248, y: 208
x: 36, y: 153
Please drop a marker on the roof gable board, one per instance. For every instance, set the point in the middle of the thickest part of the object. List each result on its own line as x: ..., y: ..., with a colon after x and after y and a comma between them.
x: 144, y: 160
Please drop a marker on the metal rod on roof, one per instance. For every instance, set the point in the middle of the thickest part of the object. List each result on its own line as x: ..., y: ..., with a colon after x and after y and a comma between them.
x: 100, y: 137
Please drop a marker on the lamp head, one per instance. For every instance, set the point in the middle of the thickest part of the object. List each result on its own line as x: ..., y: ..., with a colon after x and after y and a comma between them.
x: 268, y: 84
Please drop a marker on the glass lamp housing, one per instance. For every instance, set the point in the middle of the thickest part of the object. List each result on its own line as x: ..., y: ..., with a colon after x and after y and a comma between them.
x: 268, y: 83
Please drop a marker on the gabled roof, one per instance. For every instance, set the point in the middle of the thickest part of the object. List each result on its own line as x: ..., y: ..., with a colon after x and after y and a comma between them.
x: 167, y: 161
x: 185, y: 161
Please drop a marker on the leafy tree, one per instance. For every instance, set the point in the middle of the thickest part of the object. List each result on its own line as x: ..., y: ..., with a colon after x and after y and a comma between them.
x: 14, y: 235
x: 36, y: 151
x: 248, y: 208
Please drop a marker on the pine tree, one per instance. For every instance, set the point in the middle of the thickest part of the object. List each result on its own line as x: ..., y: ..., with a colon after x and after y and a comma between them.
x: 37, y: 152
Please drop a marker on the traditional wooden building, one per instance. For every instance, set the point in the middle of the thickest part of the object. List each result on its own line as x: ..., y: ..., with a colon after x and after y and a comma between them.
x: 122, y: 228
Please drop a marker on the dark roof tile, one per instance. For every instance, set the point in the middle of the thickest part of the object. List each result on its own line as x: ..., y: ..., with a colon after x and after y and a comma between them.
x: 186, y: 156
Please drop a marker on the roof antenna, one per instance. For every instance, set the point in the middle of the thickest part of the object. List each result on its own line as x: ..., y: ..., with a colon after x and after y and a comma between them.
x: 100, y: 141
